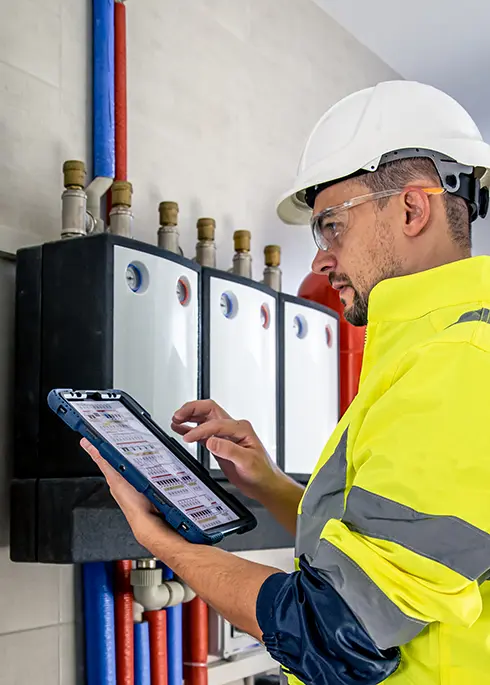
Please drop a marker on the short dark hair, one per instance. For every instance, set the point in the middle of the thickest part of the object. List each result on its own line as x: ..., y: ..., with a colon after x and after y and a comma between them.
x: 402, y: 171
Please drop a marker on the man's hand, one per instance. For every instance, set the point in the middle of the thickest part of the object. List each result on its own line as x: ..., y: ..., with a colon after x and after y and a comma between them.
x: 145, y: 522
x: 242, y: 458
x: 235, y: 445
x: 209, y: 571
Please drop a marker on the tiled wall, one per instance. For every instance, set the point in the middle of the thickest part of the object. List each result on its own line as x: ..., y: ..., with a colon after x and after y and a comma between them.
x: 222, y: 96
x: 37, y: 624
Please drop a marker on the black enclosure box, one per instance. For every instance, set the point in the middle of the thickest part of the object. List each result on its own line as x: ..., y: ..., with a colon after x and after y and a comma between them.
x: 61, y: 508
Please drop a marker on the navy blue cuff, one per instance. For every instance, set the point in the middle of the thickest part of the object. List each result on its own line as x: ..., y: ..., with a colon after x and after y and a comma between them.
x: 309, y: 629
x: 266, y: 600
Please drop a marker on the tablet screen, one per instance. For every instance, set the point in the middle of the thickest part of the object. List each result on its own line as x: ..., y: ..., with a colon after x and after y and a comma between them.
x: 122, y: 429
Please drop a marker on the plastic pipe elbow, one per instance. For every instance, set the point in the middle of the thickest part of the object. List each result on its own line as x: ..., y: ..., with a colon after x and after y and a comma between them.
x: 168, y: 594
x: 189, y: 593
x: 153, y: 594
x: 152, y: 598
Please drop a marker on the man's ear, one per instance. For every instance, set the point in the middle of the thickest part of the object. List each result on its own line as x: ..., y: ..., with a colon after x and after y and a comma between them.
x: 416, y: 207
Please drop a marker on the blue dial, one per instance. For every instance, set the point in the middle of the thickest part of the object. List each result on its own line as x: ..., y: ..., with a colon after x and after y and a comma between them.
x: 134, y: 278
x: 228, y: 305
x: 300, y: 326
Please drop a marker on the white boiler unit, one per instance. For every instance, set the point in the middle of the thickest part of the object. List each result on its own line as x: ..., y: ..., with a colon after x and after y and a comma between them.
x: 240, y: 353
x: 309, y: 371
x: 155, y: 330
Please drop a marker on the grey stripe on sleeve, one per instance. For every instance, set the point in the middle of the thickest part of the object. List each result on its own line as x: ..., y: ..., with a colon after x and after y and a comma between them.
x: 387, y: 625
x: 449, y: 540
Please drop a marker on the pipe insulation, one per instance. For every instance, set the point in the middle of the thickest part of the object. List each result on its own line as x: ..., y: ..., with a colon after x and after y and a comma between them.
x: 103, y: 88
x: 124, y: 623
x: 196, y: 632
x: 174, y: 645
x: 157, y: 621
x: 142, y: 668
x: 120, y: 91
x: 98, y: 601
x: 179, y: 592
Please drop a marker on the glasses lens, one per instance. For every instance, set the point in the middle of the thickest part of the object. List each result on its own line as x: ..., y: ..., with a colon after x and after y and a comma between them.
x: 327, y: 226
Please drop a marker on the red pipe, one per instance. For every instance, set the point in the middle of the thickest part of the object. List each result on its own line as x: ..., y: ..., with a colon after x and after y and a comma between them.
x: 120, y: 100
x: 120, y: 96
x: 158, y: 646
x: 196, y: 643
x: 123, y: 608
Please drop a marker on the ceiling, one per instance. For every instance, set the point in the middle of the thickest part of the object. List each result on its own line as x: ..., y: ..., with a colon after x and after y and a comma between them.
x: 442, y: 42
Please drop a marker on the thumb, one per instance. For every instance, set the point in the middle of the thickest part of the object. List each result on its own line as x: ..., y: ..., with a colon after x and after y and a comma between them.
x: 227, y: 450
x: 90, y: 449
x: 108, y: 471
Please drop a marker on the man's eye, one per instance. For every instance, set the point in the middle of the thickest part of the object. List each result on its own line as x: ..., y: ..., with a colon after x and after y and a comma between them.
x: 329, y: 226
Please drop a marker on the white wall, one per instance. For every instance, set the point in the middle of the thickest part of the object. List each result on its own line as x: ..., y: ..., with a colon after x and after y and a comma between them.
x: 222, y: 96
x: 376, y: 24
x: 43, y: 111
x: 481, y: 236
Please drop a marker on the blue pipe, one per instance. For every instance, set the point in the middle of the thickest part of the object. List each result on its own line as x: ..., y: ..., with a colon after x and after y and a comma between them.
x: 175, y: 656
x: 174, y: 645
x: 103, y: 88
x: 100, y: 645
x: 142, y: 667
x: 167, y: 574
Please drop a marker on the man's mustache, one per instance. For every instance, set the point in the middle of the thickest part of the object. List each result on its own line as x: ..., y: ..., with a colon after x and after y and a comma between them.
x: 339, y: 278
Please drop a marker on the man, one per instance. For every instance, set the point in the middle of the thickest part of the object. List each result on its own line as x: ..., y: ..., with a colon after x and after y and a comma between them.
x: 393, y: 530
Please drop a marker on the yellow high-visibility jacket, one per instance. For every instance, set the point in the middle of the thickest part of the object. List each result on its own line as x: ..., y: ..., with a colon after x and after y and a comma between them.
x: 394, y: 526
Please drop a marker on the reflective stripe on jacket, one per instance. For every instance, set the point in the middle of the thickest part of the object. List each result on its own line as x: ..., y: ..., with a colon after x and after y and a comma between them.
x: 396, y: 517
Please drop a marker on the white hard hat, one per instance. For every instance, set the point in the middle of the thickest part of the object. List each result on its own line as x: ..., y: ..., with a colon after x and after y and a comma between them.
x: 392, y: 120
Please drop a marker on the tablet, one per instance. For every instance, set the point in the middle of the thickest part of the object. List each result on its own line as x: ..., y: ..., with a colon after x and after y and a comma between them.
x: 190, y: 501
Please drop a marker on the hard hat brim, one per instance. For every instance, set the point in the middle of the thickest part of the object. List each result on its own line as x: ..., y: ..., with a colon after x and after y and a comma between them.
x: 292, y: 210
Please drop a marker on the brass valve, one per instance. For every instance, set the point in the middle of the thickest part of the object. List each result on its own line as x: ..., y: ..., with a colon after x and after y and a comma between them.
x: 272, y: 255
x: 74, y: 174
x: 205, y: 229
x: 242, y: 241
x: 121, y: 193
x: 169, y: 212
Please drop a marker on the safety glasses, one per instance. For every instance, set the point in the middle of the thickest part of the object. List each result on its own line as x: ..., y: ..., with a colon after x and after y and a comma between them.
x: 333, y: 222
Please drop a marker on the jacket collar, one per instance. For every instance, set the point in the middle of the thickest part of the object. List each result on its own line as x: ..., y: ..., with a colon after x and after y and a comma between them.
x: 400, y: 312
x: 411, y: 297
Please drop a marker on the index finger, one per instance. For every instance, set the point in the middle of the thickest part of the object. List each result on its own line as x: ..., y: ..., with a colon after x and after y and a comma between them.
x: 223, y: 428
x: 199, y: 410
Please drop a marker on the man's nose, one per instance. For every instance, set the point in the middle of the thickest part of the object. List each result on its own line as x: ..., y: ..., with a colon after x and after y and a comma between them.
x: 324, y: 262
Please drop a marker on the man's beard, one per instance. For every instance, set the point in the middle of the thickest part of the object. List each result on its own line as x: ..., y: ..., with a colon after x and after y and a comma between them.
x: 357, y: 313
x: 387, y: 263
